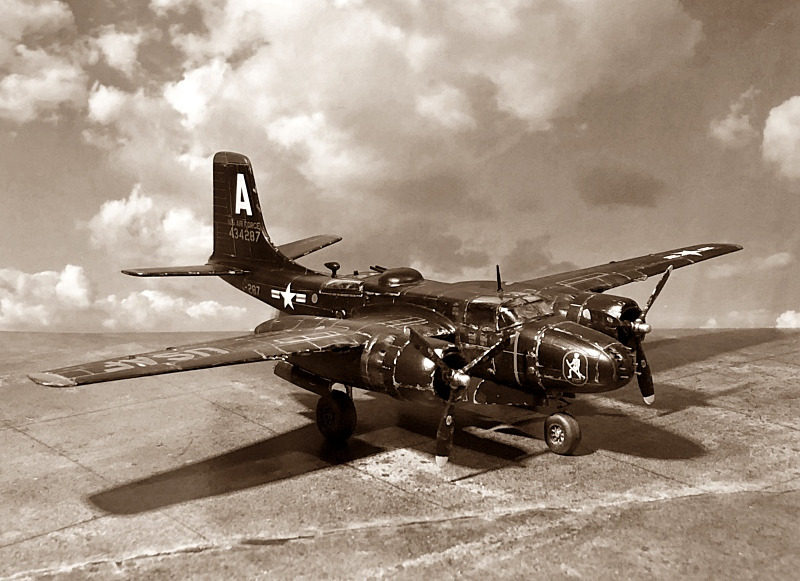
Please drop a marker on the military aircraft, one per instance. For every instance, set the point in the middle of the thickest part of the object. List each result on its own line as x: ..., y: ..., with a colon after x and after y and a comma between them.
x: 534, y: 344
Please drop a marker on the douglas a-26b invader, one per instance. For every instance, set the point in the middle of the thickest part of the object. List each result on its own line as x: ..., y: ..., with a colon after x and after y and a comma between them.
x: 533, y: 344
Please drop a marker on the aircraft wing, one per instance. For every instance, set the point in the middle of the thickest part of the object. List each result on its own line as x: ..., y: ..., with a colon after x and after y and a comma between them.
x: 244, y: 349
x: 293, y: 335
x: 607, y: 276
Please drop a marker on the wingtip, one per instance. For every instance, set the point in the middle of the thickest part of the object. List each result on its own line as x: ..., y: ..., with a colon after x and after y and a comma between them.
x: 51, y: 380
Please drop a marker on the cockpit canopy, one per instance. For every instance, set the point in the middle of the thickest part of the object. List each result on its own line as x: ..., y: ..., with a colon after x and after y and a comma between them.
x: 494, y: 313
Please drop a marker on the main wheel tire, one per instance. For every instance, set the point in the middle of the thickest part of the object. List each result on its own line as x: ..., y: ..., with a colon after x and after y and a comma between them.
x: 336, y: 416
x: 562, y: 433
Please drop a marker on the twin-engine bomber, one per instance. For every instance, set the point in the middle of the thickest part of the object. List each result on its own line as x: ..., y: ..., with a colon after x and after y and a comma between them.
x: 534, y: 344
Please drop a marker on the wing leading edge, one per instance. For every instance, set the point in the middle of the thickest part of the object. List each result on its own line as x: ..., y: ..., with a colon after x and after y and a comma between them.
x: 232, y: 351
x: 276, y: 339
x: 607, y: 276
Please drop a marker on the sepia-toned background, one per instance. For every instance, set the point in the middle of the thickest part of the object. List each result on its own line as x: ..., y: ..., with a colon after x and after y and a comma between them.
x: 449, y: 136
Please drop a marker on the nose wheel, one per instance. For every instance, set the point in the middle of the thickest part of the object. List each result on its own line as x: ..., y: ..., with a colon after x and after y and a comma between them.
x: 336, y: 416
x: 562, y: 433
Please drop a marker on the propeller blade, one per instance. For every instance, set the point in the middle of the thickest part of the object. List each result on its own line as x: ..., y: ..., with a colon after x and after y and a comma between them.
x: 488, y: 354
x: 656, y: 292
x: 425, y: 348
x: 644, y: 375
x: 457, y: 381
x: 444, y: 435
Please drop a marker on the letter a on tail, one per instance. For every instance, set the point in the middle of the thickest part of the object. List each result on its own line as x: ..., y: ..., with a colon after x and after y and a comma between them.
x: 242, y: 197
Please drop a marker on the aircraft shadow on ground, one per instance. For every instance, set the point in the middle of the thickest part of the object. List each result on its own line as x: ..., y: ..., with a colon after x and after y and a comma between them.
x: 294, y: 453
x: 303, y: 450
x: 668, y: 353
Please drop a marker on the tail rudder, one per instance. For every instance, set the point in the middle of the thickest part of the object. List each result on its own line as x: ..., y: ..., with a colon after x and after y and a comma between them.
x: 239, y: 230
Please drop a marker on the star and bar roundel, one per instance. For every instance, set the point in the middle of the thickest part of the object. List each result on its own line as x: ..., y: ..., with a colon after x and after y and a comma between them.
x: 289, y: 296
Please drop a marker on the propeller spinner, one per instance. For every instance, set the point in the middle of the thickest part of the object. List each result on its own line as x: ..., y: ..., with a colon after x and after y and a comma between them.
x: 457, y: 380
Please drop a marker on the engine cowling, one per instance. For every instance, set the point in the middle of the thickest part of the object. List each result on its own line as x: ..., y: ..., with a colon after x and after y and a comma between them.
x: 390, y: 363
x: 602, y: 312
x: 564, y: 356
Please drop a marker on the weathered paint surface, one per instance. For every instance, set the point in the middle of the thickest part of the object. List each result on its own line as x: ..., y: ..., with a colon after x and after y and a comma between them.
x: 549, y: 338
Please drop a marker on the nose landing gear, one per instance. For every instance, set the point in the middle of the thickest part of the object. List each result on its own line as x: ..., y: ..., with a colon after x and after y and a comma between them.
x: 562, y: 433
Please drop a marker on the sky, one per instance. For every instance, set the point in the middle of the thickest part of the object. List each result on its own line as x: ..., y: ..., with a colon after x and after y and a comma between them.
x: 539, y: 135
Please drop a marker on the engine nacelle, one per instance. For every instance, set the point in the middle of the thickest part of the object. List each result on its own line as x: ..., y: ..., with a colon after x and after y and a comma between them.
x: 388, y: 363
x: 601, y: 312
x: 391, y: 364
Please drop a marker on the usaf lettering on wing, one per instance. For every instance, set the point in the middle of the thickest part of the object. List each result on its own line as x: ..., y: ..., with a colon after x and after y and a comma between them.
x: 166, y: 356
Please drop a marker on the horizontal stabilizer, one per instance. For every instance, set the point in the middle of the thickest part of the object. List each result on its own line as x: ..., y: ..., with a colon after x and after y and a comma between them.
x: 306, y: 246
x: 201, y: 270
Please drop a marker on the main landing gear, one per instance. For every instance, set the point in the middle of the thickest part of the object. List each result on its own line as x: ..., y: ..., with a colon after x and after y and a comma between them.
x: 336, y: 416
x: 562, y: 433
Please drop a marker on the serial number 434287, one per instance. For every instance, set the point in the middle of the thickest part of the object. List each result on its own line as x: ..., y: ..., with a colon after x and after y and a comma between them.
x: 245, y: 234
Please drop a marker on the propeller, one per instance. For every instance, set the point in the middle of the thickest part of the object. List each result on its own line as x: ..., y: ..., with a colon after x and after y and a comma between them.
x: 656, y: 292
x: 640, y: 328
x: 457, y: 380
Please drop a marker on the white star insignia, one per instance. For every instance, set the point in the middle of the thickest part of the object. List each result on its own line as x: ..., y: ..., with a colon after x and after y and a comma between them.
x: 288, y: 296
x: 684, y: 253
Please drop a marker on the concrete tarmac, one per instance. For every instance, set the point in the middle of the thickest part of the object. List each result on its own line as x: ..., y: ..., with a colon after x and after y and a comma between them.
x: 222, y: 474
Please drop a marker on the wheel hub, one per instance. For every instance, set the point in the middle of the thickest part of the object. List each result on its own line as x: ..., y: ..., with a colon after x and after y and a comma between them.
x: 557, y: 435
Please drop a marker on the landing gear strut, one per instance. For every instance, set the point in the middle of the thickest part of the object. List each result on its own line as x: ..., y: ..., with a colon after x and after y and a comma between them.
x: 562, y: 433
x: 336, y: 416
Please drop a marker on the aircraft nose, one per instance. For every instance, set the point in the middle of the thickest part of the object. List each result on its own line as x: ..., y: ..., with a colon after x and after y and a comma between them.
x: 580, y: 360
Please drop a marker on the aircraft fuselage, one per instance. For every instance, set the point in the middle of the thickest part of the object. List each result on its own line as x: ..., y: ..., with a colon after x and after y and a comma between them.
x: 545, y: 353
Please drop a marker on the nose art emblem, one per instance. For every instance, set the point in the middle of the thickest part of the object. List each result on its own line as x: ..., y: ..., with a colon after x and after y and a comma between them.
x: 575, y: 367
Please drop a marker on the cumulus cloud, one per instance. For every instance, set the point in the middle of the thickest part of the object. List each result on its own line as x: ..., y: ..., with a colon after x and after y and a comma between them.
x: 40, y: 300
x: 162, y: 7
x: 381, y: 96
x: 735, y: 129
x: 156, y: 310
x: 788, y: 320
x: 448, y: 107
x: 752, y: 319
x: 105, y: 103
x: 738, y: 266
x: 39, y: 74
x: 340, y: 100
x: 29, y: 17
x: 192, y: 95
x: 38, y: 83
x: 610, y: 186
x: 66, y: 300
x: 378, y: 84
x: 120, y: 49
x: 781, y: 143
x: 151, y: 226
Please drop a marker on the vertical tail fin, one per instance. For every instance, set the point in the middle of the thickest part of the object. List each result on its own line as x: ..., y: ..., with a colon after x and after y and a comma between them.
x: 240, y: 234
